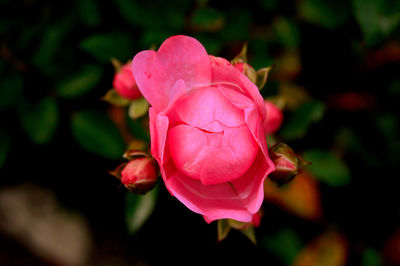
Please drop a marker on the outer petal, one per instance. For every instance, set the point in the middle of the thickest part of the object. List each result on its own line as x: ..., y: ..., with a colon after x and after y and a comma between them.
x: 179, y: 57
x: 219, y: 201
x: 158, y: 124
x: 224, y: 72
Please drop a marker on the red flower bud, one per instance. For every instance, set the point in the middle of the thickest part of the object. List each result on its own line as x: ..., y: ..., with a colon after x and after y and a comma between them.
x: 287, y: 163
x: 139, y: 175
x: 125, y: 84
x: 274, y: 118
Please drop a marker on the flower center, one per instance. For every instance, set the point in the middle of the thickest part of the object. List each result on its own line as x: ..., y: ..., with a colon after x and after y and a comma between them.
x: 213, y: 144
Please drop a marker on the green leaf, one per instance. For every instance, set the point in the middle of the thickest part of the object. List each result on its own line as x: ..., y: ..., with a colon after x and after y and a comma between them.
x: 112, y: 97
x: 298, y: 123
x: 105, y: 46
x: 52, y: 41
x: 376, y: 18
x: 138, y: 108
x: 208, y: 19
x: 96, y: 133
x: 89, y: 12
x: 10, y: 91
x: 371, y: 257
x: 131, y: 12
x: 138, y: 129
x: 40, y: 120
x: 326, y: 13
x: 287, y: 32
x: 80, y: 83
x: 139, y: 208
x: 327, y: 167
x: 4, y: 146
x: 285, y: 244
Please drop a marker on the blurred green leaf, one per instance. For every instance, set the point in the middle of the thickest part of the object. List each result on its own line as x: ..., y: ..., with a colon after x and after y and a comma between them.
x: 105, y: 46
x: 4, y: 146
x: 132, y: 12
x: 113, y: 97
x: 287, y: 32
x: 285, y: 244
x: 212, y: 45
x: 394, y: 88
x: 388, y: 125
x: 327, y: 167
x: 40, y: 120
x: 95, y: 132
x: 139, y: 208
x: 138, y: 129
x: 269, y: 5
x: 89, y: 12
x: 351, y: 142
x: 175, y: 19
x: 208, y: 19
x: 237, y: 25
x: 371, y: 257
x: 10, y: 91
x: 154, y: 36
x: 298, y: 123
x: 138, y: 108
x: 80, y: 83
x: 6, y: 24
x: 326, y: 13
x: 52, y: 41
x: 376, y: 18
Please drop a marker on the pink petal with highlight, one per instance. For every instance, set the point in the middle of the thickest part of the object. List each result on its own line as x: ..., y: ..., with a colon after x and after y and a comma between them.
x: 179, y: 57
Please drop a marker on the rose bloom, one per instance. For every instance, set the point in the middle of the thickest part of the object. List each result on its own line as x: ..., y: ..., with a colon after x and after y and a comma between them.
x: 125, y: 84
x: 206, y: 127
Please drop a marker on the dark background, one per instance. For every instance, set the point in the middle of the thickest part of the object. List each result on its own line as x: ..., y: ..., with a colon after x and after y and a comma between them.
x: 58, y: 142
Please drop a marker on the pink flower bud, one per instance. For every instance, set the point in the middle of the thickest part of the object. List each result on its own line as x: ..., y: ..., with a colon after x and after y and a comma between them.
x: 273, y: 119
x: 247, y: 70
x: 286, y: 163
x: 125, y: 84
x: 139, y: 175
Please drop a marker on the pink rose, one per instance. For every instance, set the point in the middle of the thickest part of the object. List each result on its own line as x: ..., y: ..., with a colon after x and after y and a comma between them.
x: 206, y: 126
x: 274, y: 118
x: 125, y: 84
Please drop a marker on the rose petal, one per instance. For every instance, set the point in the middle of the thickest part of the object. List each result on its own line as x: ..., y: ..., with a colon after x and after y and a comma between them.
x: 212, y: 157
x: 202, y: 106
x: 179, y: 57
x: 232, y: 159
x: 219, y: 201
x: 224, y: 72
x: 187, y: 149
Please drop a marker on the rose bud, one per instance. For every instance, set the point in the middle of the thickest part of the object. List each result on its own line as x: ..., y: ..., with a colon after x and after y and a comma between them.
x: 247, y: 70
x: 139, y: 175
x: 287, y: 163
x: 273, y: 119
x: 125, y: 84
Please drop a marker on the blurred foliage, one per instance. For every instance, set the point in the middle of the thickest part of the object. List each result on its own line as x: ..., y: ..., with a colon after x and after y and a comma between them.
x: 95, y: 132
x: 55, y: 68
x: 285, y: 243
x: 139, y: 208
